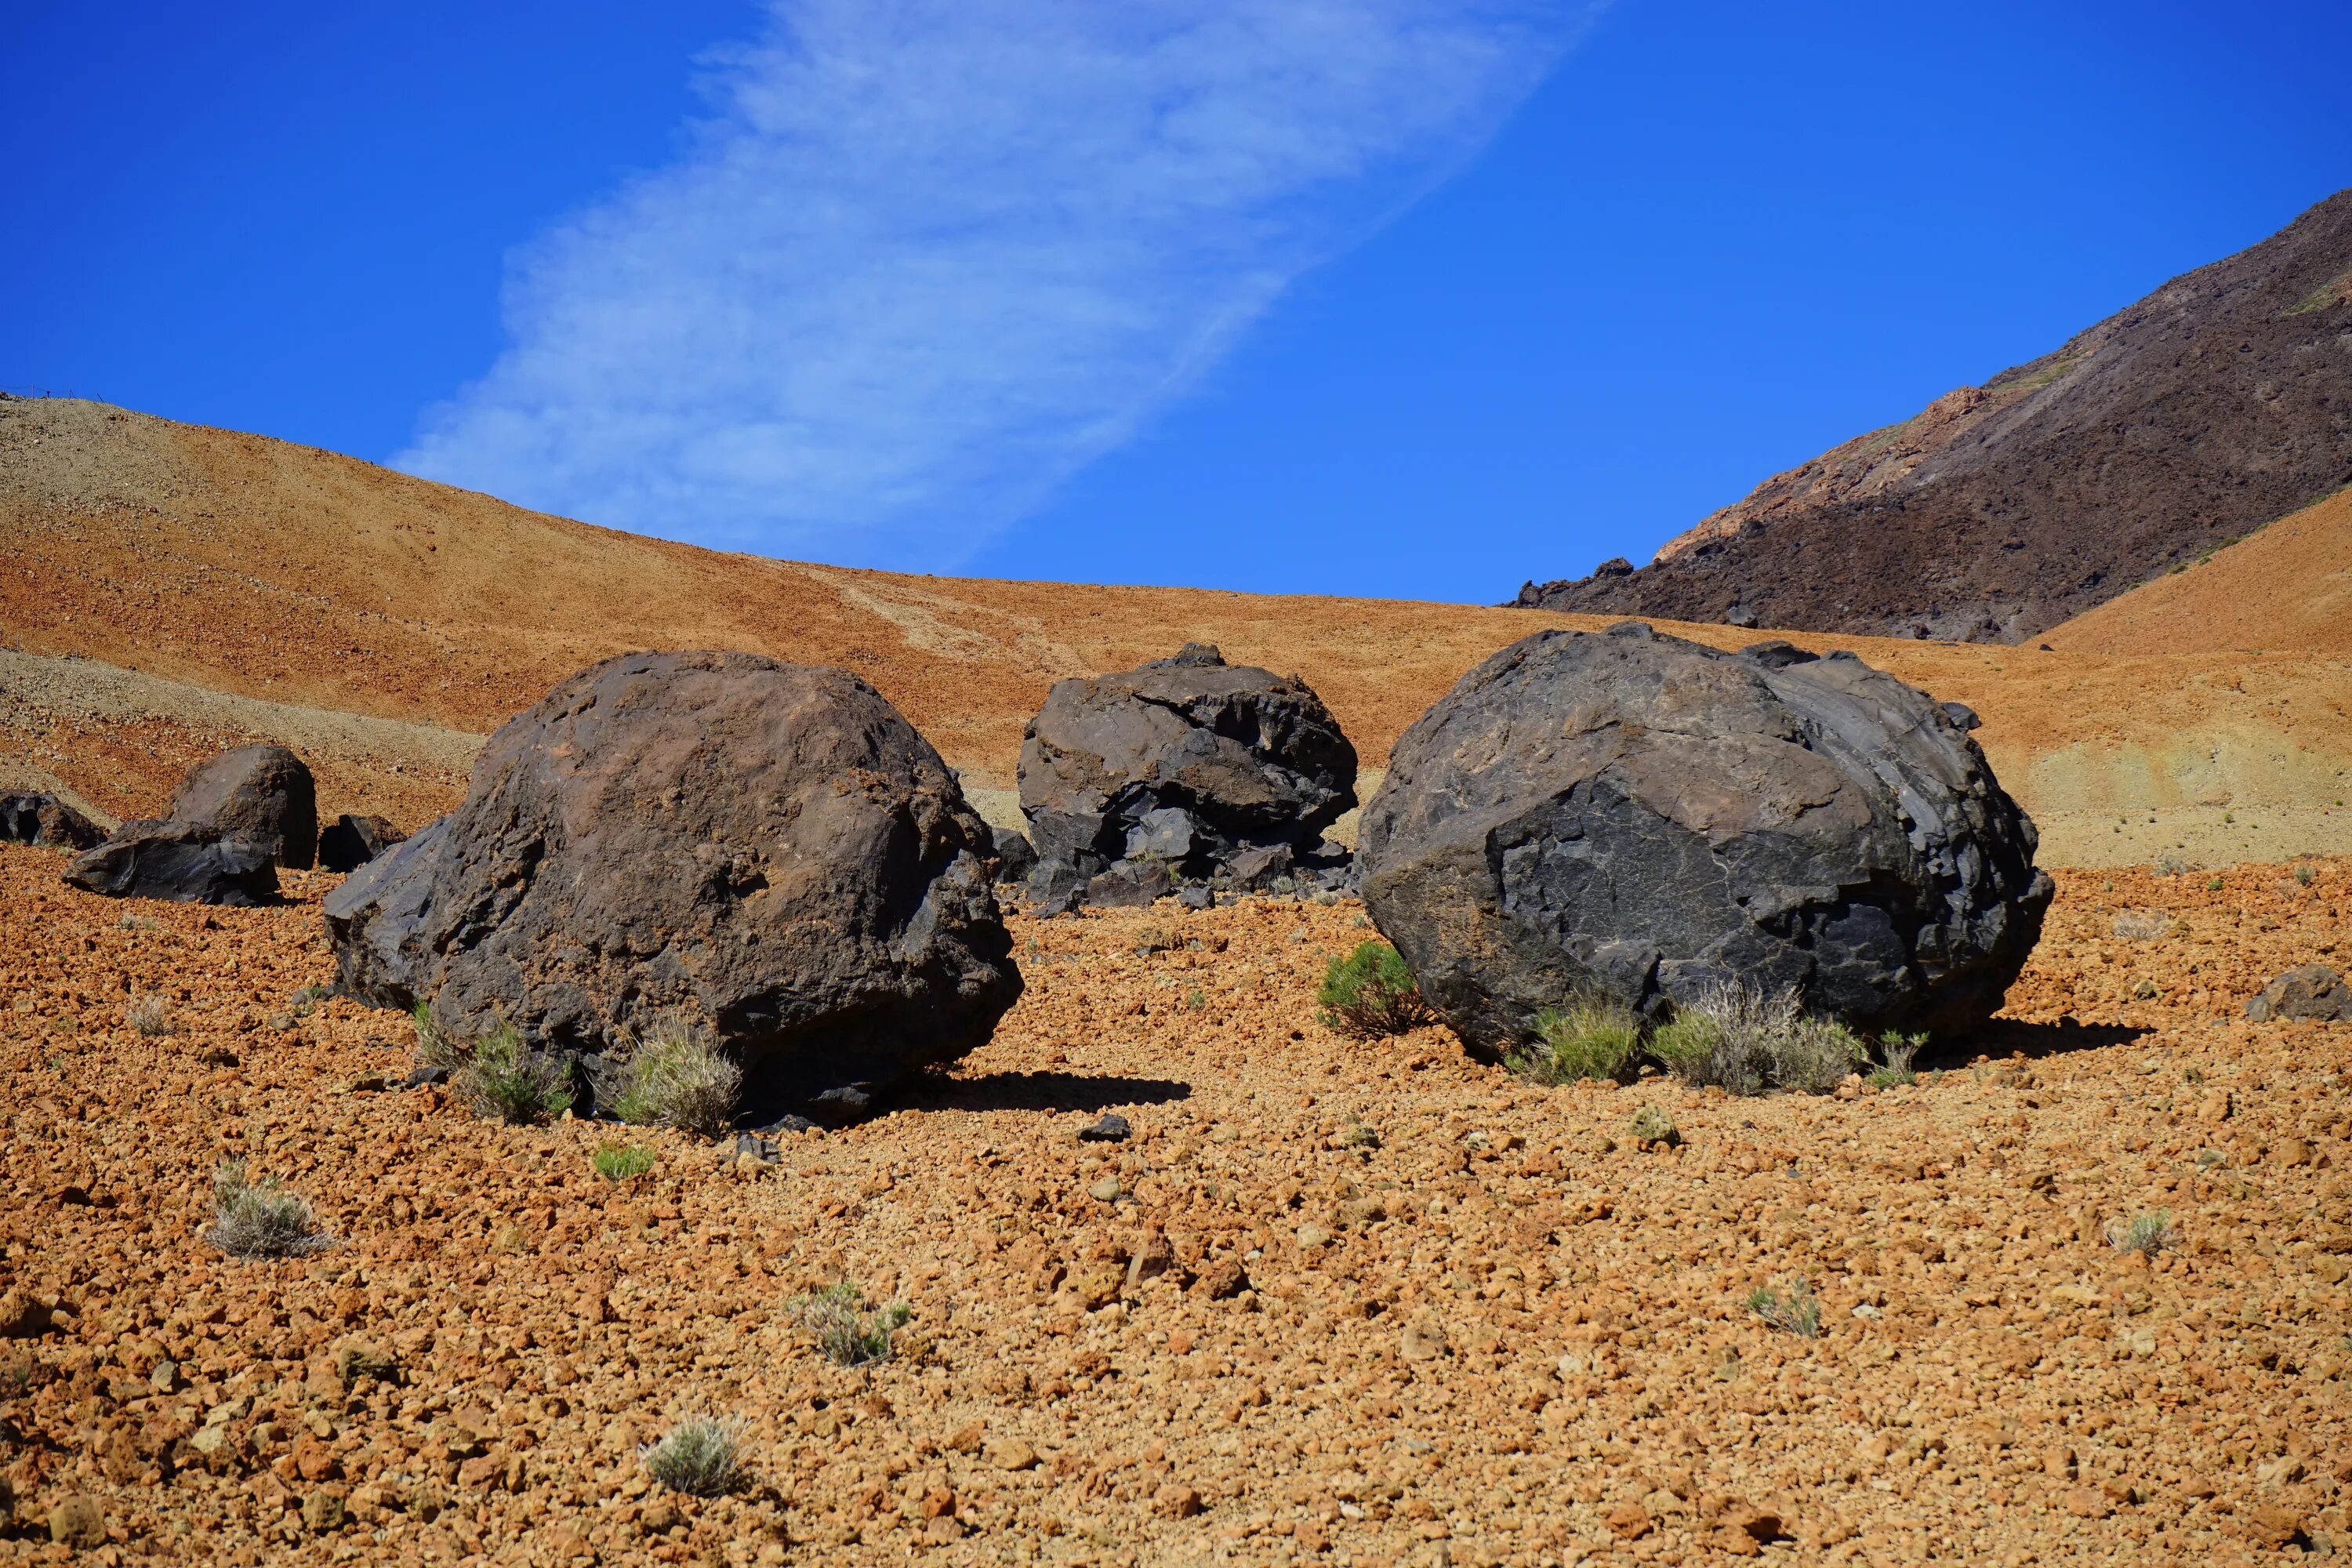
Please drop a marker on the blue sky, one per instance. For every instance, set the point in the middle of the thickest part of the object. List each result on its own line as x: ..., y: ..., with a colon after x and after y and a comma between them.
x: 1385, y: 296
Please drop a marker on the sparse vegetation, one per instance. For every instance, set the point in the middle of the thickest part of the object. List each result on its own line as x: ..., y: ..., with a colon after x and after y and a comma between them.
x: 1588, y: 1039
x: 261, y: 1219
x: 2171, y: 866
x: 673, y: 1075
x: 148, y: 1017
x: 1798, y: 1312
x: 2302, y: 875
x: 434, y: 1049
x: 1747, y: 1041
x: 1897, y: 1051
x: 2214, y: 885
x: 844, y: 1327
x: 2142, y: 925
x: 700, y: 1457
x: 1362, y: 1135
x: 1653, y: 1125
x: 507, y: 1077
x: 2147, y: 1234
x: 1369, y: 993
x: 619, y: 1162
x: 304, y: 1001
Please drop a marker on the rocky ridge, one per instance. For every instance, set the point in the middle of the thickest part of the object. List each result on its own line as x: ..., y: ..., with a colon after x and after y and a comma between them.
x: 2198, y: 414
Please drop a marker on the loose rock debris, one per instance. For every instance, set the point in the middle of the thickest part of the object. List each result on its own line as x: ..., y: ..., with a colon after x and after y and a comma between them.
x: 1501, y: 1334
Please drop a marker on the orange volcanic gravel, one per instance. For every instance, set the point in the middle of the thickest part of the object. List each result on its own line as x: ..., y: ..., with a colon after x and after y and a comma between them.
x: 1334, y: 1302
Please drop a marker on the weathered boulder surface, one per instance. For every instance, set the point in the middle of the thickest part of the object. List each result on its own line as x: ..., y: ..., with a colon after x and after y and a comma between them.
x: 180, y: 862
x: 44, y: 821
x: 768, y: 849
x: 263, y: 792
x: 350, y: 842
x: 2312, y: 991
x: 1640, y: 817
x: 1015, y: 857
x: 1183, y: 764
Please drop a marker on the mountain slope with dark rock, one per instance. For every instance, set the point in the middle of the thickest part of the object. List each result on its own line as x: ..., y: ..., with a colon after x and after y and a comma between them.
x: 2219, y: 402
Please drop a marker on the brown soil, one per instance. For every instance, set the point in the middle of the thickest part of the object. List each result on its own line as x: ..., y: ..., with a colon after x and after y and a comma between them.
x: 1491, y: 1330
x: 250, y: 589
x: 2219, y: 402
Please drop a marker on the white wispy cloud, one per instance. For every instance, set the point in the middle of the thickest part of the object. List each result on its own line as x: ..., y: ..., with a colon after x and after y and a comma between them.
x: 926, y: 257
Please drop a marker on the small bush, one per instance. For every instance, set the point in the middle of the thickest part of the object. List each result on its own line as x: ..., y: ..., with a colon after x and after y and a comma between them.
x: 1362, y: 1135
x: 434, y: 1049
x: 1899, y: 1050
x: 1747, y: 1041
x: 148, y: 1016
x: 1371, y: 993
x: 2302, y: 875
x: 1591, y: 1037
x: 675, y: 1075
x: 619, y: 1162
x: 701, y: 1456
x: 848, y: 1331
x: 2171, y: 866
x: 2142, y: 925
x: 2214, y: 885
x: 1652, y: 1125
x: 507, y: 1077
x: 2149, y: 1233
x: 258, y: 1219
x: 1798, y: 1312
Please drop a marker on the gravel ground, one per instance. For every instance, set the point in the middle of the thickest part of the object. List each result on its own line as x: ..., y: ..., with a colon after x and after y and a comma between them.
x: 1333, y: 1302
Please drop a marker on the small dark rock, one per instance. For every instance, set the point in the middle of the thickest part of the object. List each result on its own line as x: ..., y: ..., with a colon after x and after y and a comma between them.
x: 1131, y: 885
x: 179, y: 862
x: 1254, y: 870
x: 1197, y: 896
x: 787, y: 1124
x: 753, y: 1147
x: 2312, y: 992
x: 1739, y: 616
x: 840, y: 1107
x: 45, y: 822
x: 1963, y: 715
x: 350, y: 842
x: 425, y: 1077
x: 1015, y: 857
x: 1111, y: 1129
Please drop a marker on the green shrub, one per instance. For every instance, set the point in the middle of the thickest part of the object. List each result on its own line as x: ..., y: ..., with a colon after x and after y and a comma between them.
x: 507, y: 1077
x: 1798, y: 1312
x: 674, y: 1075
x: 1899, y: 1050
x: 701, y: 1456
x: 435, y: 1050
x: 260, y: 1219
x: 1747, y: 1041
x: 848, y: 1331
x: 2149, y: 1233
x: 619, y: 1162
x: 1591, y: 1037
x: 1371, y: 993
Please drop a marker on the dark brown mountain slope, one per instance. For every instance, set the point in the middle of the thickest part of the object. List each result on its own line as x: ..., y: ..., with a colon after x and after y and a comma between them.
x: 2219, y: 402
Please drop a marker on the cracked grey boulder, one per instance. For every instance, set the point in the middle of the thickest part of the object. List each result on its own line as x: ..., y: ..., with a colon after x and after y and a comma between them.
x: 261, y: 792
x: 178, y: 862
x: 1644, y: 817
x: 1183, y: 763
x: 768, y: 850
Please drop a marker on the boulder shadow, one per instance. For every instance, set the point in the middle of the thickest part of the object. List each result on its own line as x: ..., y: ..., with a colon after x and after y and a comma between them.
x: 1045, y: 1091
x: 2006, y: 1037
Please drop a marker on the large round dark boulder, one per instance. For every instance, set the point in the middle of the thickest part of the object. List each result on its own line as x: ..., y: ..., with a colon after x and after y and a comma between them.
x: 1639, y: 817
x: 766, y: 850
x: 261, y: 792
x: 179, y: 862
x: 1181, y: 763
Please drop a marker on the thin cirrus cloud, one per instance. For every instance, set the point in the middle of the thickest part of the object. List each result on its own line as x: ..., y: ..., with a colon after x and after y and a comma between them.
x: 926, y: 258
